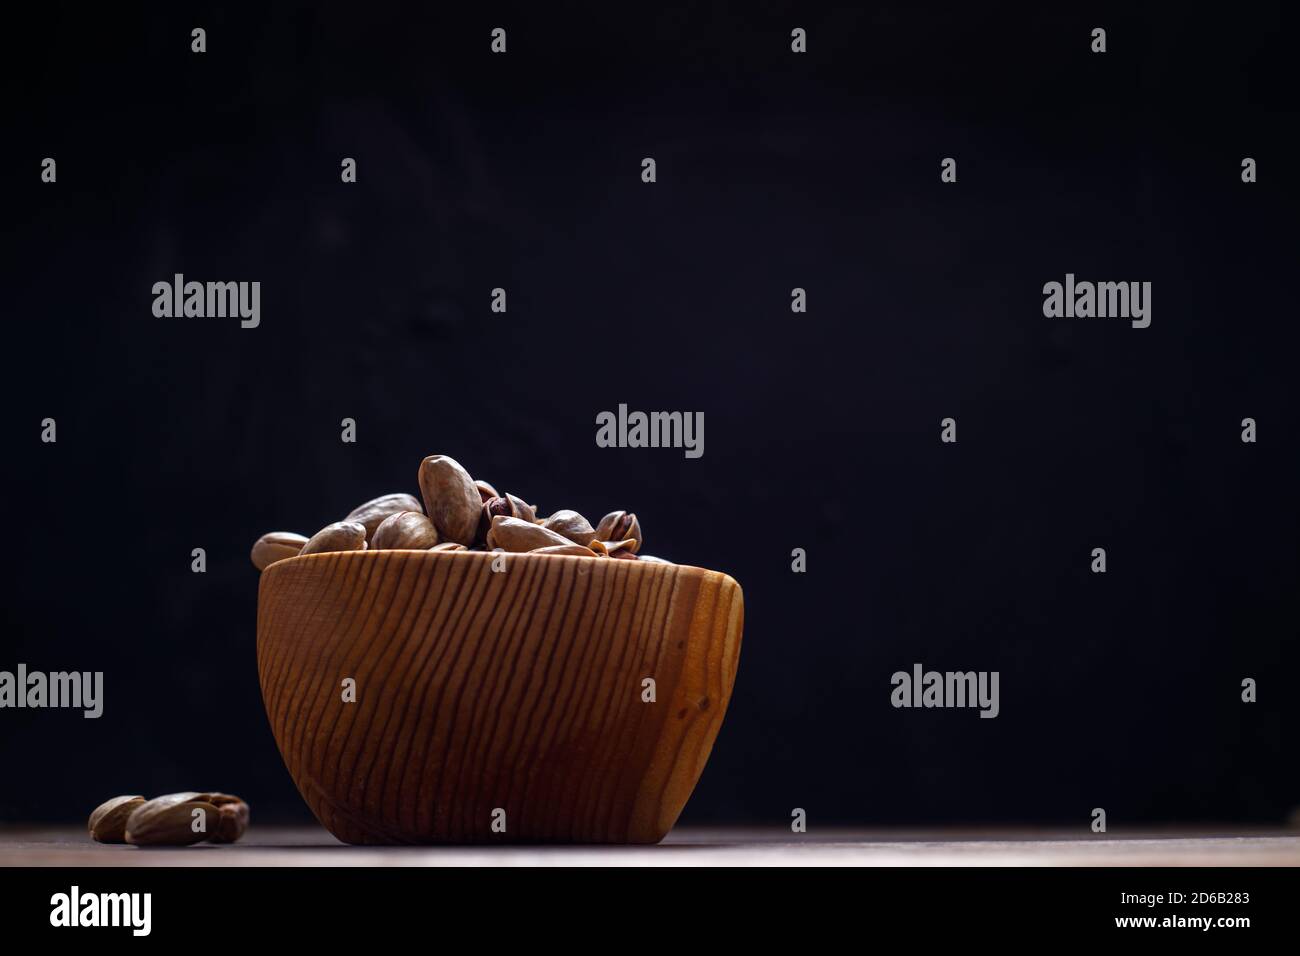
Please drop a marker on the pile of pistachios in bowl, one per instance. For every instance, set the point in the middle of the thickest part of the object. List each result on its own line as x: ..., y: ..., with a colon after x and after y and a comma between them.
x: 459, y: 513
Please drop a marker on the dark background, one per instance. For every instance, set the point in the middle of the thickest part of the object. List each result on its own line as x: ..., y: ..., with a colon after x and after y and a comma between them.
x: 775, y: 170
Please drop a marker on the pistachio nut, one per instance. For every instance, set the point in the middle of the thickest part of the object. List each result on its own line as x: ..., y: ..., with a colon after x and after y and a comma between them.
x: 520, y: 508
x: 172, y: 820
x: 516, y: 534
x: 107, y: 823
x: 276, y: 546
x: 574, y: 549
x: 572, y: 525
x: 620, y: 526
x: 485, y: 491
x: 406, y: 529
x: 339, y: 536
x: 511, y: 506
x: 621, y: 549
x: 449, y: 546
x: 373, y: 512
x: 498, y: 507
x: 451, y: 499
x: 508, y: 505
x: 232, y: 817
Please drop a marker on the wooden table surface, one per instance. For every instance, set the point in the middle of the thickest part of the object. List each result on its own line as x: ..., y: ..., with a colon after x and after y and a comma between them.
x: 685, y: 846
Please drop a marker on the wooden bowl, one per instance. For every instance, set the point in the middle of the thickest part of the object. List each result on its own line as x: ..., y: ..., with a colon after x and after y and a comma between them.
x: 487, y: 699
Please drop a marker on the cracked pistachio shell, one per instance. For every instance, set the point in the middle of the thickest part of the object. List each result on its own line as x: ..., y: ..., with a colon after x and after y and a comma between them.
x: 520, y: 508
x: 509, y: 506
x: 614, y: 549
x: 492, y: 508
x: 620, y: 526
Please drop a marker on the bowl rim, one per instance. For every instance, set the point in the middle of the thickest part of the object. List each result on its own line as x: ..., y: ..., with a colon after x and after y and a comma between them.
x: 426, y: 554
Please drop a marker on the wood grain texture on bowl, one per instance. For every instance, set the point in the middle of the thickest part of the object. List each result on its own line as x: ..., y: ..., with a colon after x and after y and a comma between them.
x: 479, y: 690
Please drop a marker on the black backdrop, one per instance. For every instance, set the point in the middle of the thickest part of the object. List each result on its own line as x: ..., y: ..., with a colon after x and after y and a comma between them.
x: 775, y: 170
